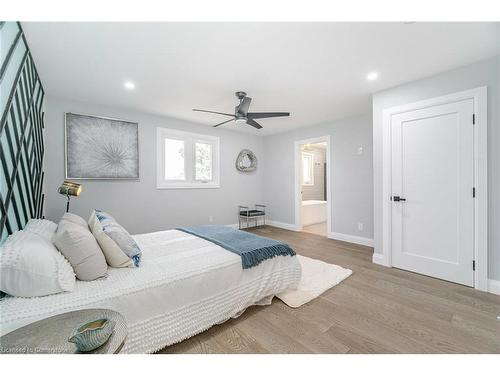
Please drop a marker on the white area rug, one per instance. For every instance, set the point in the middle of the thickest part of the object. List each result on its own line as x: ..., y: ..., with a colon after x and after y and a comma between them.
x: 317, y: 278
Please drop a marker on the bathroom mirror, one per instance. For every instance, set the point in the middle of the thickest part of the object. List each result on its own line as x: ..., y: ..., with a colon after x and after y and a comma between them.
x: 246, y: 161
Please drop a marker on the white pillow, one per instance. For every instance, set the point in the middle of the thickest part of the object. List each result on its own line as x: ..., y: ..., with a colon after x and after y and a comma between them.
x: 81, y: 249
x: 68, y: 216
x: 31, y: 266
x: 45, y: 228
x: 115, y: 257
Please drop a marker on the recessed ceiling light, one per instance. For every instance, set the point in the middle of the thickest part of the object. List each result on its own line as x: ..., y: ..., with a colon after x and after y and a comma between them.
x: 129, y: 85
x: 372, y: 76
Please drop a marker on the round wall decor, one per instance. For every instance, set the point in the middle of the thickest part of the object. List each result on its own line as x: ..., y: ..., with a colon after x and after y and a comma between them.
x: 246, y: 161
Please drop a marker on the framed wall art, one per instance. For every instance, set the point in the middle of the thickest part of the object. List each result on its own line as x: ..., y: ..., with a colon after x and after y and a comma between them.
x: 101, y: 148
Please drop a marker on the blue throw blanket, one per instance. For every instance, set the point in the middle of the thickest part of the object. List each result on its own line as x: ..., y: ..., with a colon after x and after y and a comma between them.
x: 251, y: 248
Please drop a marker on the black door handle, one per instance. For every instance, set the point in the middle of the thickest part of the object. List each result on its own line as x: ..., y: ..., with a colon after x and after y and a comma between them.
x: 398, y: 199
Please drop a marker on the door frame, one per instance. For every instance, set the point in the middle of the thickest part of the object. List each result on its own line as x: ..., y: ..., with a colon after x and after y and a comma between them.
x: 298, y: 197
x: 479, y: 97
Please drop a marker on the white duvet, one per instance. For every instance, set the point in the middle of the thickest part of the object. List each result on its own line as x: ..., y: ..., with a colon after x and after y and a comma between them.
x: 184, y: 286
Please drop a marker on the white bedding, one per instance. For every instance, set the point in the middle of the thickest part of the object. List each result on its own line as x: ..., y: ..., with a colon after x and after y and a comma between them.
x: 184, y: 286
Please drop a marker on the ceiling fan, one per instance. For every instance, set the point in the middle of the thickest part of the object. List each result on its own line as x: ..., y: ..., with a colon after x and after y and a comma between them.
x: 241, y: 114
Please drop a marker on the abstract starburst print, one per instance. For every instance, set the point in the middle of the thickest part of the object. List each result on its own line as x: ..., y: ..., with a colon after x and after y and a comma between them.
x: 101, y: 148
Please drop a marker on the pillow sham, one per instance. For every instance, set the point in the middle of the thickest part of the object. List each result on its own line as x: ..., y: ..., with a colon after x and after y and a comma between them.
x: 81, y: 249
x: 118, y: 246
x: 42, y: 227
x: 31, y: 266
x: 68, y: 216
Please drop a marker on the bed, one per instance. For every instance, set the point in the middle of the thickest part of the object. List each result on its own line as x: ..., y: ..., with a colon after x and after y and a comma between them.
x: 184, y: 286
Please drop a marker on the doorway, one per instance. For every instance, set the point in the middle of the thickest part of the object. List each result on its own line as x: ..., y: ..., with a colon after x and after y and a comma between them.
x: 312, y: 186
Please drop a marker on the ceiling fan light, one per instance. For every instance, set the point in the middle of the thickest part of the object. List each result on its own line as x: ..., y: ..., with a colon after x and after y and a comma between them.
x: 241, y: 115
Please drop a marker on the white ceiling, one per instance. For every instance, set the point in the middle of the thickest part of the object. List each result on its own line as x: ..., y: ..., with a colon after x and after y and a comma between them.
x: 316, y: 71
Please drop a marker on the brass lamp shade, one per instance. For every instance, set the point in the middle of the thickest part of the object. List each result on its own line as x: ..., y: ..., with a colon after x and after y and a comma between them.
x: 70, y: 188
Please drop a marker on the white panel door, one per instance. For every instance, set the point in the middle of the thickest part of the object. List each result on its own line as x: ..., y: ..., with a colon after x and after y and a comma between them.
x: 432, y: 175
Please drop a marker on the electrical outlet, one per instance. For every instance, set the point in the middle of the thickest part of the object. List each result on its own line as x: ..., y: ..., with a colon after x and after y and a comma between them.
x: 210, y: 219
x: 360, y: 227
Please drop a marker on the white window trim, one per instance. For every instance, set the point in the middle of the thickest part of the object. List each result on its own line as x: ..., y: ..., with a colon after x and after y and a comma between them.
x: 312, y: 169
x: 190, y: 183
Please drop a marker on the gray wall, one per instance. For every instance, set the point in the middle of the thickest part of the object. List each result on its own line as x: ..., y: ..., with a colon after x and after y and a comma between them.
x: 483, y: 73
x: 351, y: 174
x: 316, y: 191
x: 138, y: 205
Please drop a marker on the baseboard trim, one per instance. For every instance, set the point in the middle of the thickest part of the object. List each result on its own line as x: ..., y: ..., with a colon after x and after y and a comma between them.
x: 349, y: 238
x: 379, y: 259
x: 494, y: 286
x: 272, y: 223
x: 279, y: 224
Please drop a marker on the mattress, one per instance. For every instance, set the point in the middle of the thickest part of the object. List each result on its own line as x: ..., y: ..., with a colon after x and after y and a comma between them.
x: 184, y: 286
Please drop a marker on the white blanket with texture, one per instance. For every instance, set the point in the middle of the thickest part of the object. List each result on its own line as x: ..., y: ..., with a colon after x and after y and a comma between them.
x: 184, y: 286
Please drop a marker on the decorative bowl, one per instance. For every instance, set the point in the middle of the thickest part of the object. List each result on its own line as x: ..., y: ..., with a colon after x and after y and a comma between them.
x: 92, y: 335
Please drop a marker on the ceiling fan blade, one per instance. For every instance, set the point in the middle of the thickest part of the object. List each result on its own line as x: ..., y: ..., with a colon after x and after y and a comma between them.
x: 253, y: 123
x: 267, y: 114
x: 232, y: 119
x: 218, y: 113
x: 244, y: 105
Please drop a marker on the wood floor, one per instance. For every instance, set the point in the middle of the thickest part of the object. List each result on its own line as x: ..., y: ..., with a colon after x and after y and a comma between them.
x: 376, y: 310
x: 319, y: 229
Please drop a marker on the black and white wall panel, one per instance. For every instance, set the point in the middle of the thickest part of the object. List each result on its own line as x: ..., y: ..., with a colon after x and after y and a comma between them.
x: 21, y: 132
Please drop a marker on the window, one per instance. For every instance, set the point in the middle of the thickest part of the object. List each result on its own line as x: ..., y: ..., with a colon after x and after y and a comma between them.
x: 174, y: 160
x: 186, y: 160
x: 203, y: 161
x: 307, y: 169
